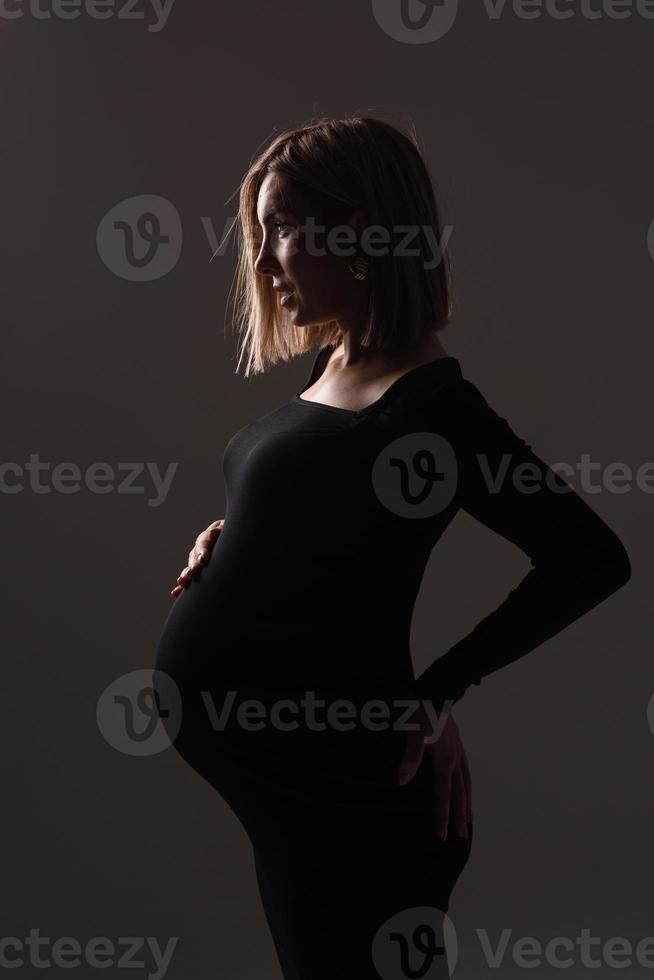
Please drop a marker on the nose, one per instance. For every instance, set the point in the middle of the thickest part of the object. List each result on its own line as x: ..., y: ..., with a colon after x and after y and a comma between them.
x: 266, y: 264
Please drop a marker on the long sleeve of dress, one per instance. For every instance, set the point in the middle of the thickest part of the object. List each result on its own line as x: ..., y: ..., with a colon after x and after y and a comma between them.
x: 577, y: 560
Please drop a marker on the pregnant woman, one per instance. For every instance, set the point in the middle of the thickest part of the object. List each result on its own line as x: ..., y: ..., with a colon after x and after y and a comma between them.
x: 288, y: 640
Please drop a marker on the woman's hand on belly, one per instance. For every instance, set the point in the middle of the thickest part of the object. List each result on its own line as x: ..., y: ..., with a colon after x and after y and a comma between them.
x: 198, y: 556
x: 449, y: 765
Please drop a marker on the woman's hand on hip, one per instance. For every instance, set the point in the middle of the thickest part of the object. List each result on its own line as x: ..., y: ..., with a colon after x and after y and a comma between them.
x: 449, y: 764
x: 198, y: 556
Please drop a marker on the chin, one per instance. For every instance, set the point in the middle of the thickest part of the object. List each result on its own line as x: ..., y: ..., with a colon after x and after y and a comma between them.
x: 304, y: 319
x: 298, y: 319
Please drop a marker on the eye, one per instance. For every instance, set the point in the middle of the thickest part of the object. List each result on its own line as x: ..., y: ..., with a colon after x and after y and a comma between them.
x: 281, y: 224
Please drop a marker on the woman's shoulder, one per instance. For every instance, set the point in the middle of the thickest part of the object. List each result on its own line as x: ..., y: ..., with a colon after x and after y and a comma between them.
x: 444, y: 381
x: 459, y: 406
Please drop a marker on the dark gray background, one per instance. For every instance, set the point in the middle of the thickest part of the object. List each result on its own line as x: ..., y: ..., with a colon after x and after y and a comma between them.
x: 539, y: 136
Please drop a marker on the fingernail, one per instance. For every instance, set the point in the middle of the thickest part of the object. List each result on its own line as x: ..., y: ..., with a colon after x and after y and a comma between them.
x: 404, y: 776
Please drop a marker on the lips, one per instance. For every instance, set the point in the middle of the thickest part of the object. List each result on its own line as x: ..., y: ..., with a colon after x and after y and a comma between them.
x: 284, y: 293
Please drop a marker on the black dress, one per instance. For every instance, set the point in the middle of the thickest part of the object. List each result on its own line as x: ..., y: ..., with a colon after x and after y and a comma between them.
x: 306, y: 606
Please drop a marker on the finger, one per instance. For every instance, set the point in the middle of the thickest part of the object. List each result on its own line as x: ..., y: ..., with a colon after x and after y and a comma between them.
x: 204, y: 543
x: 413, y: 752
x: 176, y: 591
x: 210, y: 533
x: 467, y: 779
x: 197, y: 555
x: 459, y: 805
x: 410, y: 762
x: 435, y: 731
x: 184, y: 576
x: 215, y: 526
x: 442, y: 796
x: 196, y: 559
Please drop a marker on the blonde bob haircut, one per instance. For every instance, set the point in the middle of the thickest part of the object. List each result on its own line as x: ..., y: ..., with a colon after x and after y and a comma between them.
x: 334, y: 167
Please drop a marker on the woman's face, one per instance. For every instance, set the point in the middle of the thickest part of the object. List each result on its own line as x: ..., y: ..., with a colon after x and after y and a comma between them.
x: 301, y: 263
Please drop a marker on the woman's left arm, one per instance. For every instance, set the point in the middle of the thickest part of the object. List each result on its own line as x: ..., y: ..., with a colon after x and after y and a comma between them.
x: 577, y: 559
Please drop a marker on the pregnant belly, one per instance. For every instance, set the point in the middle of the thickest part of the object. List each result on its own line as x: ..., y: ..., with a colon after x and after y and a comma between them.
x: 284, y: 741
x: 226, y: 643
x: 246, y: 625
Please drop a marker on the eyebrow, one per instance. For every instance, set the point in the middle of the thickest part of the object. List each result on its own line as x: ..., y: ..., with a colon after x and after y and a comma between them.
x: 275, y: 209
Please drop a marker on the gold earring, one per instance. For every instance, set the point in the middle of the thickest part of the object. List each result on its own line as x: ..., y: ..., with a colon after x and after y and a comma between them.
x: 359, y: 267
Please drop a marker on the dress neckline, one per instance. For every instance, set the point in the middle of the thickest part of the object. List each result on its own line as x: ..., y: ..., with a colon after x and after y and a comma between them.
x: 403, y: 379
